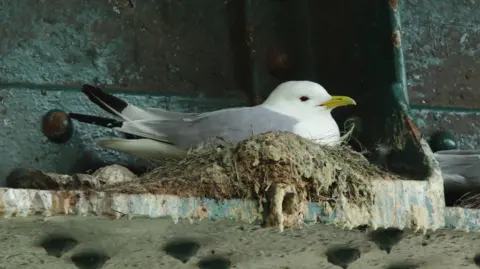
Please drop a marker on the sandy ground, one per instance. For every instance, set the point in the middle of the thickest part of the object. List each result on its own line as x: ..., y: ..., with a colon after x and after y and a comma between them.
x: 138, y: 243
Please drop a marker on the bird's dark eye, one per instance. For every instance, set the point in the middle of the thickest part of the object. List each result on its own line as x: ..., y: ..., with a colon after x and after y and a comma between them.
x: 304, y: 98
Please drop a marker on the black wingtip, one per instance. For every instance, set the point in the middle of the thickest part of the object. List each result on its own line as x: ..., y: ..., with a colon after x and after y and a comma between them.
x: 95, y: 94
x: 100, y: 121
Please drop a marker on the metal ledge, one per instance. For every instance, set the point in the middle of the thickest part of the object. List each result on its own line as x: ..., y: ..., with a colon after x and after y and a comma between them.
x: 400, y: 204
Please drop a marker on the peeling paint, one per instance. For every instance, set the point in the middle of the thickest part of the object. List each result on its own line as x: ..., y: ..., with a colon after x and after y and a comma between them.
x: 396, y: 204
x: 396, y: 39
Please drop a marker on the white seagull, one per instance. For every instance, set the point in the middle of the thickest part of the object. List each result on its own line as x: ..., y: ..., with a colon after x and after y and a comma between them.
x: 299, y: 107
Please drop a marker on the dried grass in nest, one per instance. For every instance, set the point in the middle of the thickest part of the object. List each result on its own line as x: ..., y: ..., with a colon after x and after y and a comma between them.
x: 247, y: 170
x: 469, y: 200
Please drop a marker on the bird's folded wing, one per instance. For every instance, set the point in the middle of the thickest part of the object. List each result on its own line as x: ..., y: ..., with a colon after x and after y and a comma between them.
x: 232, y: 125
x: 196, y: 123
x: 460, y: 165
x: 457, y: 160
x: 162, y: 114
x: 225, y: 113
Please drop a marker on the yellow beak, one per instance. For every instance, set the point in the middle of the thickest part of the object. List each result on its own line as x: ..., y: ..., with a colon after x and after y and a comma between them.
x: 337, y: 101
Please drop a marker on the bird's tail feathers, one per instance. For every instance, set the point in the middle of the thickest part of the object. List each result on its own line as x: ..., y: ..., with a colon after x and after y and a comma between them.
x: 115, y: 105
x: 106, y: 101
x: 144, y: 148
x: 126, y: 111
x: 137, y: 129
x: 132, y: 128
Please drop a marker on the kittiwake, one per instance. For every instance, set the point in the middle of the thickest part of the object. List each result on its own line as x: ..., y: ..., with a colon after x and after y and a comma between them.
x: 460, y: 169
x: 299, y: 107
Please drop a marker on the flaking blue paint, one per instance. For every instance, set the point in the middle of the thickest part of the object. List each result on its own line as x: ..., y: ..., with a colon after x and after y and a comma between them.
x: 318, y: 213
x: 430, y: 209
x: 231, y: 209
x: 460, y: 218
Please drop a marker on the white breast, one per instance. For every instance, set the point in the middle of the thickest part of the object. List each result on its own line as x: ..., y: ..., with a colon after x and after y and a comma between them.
x: 322, y: 130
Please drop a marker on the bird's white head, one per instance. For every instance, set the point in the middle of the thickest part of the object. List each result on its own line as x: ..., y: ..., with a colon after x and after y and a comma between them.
x: 303, y: 98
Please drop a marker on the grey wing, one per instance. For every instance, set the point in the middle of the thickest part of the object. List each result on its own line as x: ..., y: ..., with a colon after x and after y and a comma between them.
x: 170, y: 115
x: 232, y: 125
x: 461, y: 167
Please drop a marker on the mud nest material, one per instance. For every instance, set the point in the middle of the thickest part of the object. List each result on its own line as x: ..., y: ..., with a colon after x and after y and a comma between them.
x: 261, y: 167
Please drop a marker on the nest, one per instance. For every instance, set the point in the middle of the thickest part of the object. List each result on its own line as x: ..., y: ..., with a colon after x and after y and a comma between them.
x: 470, y: 200
x: 280, y: 170
x: 260, y: 167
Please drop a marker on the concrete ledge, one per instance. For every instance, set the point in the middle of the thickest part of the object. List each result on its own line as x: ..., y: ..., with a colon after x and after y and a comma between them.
x: 139, y: 243
x: 401, y: 204
x: 462, y: 218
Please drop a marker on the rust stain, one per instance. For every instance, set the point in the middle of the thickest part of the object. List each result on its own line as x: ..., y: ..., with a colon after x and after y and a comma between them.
x: 107, y: 208
x: 68, y: 201
x: 57, y: 123
x: 64, y: 202
x: 396, y: 39
x: 201, y: 212
x: 413, y: 128
x: 237, y: 212
x: 55, y: 203
x: 394, y: 4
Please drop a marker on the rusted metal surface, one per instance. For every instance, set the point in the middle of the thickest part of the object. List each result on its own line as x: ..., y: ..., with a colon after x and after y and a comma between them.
x: 442, y: 52
x: 394, y: 4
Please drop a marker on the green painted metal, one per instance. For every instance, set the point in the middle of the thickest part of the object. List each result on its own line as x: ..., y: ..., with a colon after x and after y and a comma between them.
x: 400, y: 89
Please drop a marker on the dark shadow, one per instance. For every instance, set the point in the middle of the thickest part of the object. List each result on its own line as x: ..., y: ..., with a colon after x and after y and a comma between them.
x: 239, y: 31
x: 355, y: 57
